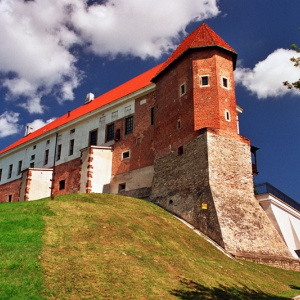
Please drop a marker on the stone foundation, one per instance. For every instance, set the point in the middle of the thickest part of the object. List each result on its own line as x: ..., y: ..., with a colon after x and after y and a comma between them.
x: 210, y: 185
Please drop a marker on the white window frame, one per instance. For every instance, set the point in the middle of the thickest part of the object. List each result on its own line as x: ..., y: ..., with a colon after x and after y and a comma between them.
x: 206, y: 85
x: 125, y: 152
x: 182, y: 86
x: 227, y: 115
x: 222, y: 82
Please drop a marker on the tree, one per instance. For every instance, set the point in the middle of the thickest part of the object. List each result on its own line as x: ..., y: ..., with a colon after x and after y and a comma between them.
x: 296, y: 61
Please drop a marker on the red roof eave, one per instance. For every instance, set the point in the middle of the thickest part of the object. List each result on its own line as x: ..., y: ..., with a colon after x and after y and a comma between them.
x: 125, y: 89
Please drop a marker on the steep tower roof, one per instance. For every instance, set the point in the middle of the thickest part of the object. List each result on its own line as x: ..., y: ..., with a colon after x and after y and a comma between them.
x: 202, y: 37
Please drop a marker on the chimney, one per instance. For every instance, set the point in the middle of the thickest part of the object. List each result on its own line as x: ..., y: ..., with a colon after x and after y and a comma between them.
x: 89, y: 97
x: 28, y: 130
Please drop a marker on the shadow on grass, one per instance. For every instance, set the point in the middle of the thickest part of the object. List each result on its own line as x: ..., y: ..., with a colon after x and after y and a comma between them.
x: 194, y: 290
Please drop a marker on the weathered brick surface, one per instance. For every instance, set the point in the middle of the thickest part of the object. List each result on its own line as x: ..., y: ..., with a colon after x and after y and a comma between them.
x: 11, y: 188
x: 70, y: 172
x: 139, y: 142
x: 215, y: 171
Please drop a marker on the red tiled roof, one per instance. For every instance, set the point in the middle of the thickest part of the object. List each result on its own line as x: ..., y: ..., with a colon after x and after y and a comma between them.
x: 123, y: 90
x: 203, y: 36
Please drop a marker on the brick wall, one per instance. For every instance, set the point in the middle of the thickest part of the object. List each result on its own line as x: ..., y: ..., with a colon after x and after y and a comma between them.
x: 11, y: 188
x: 200, y: 106
x: 70, y: 173
x: 139, y: 142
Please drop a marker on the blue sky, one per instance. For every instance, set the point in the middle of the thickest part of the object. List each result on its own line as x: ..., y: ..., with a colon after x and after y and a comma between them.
x: 55, y: 52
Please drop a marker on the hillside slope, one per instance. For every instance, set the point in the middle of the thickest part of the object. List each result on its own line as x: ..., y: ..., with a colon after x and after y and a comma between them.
x: 112, y: 247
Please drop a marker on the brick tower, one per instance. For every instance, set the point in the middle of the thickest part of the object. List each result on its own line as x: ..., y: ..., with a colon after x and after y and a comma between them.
x: 202, y: 167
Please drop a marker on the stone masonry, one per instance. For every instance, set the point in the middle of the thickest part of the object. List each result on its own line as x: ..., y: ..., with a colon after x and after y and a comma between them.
x: 210, y: 186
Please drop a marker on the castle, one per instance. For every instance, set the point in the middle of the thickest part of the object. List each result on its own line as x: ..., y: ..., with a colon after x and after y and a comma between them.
x: 169, y: 135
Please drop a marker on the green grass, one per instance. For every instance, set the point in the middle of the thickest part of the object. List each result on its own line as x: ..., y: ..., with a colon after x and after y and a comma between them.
x: 21, y: 231
x: 111, y: 247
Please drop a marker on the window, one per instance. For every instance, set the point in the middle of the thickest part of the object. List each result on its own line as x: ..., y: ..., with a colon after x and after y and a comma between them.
x: 71, y: 147
x: 34, y: 147
x: 178, y: 124
x: 48, y: 142
x: 19, y: 167
x: 58, y: 155
x: 224, y: 82
x: 152, y: 116
x: 93, y: 137
x: 0, y: 174
x: 31, y: 165
x: 129, y: 125
x: 204, y: 80
x: 227, y: 115
x: 110, y: 132
x: 72, y: 130
x: 122, y: 187
x: 180, y: 150
x: 62, y: 184
x: 10, y: 171
x: 126, y: 154
x: 46, y: 157
x: 32, y: 157
x: 182, y: 89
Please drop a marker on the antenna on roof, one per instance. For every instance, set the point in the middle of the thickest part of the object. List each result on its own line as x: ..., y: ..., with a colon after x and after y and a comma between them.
x: 28, y: 130
x: 89, y: 97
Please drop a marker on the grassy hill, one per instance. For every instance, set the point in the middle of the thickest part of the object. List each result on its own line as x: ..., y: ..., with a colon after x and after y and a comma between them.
x: 112, y: 247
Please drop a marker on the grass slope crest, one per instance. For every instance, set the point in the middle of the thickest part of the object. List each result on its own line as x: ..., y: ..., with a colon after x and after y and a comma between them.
x: 97, y: 246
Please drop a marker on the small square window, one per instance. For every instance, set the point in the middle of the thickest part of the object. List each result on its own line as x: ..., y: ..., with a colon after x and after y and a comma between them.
x: 48, y: 142
x: 122, y: 187
x: 34, y: 147
x: 31, y: 165
x: 62, y: 184
x: 126, y: 154
x: 32, y: 157
x: 224, y: 82
x: 204, y: 81
x: 72, y: 131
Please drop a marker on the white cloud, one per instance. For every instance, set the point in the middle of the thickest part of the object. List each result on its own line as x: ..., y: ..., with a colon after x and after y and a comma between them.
x: 36, y: 37
x: 34, y: 49
x: 38, y: 123
x: 140, y: 28
x: 9, y: 124
x: 266, y: 78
